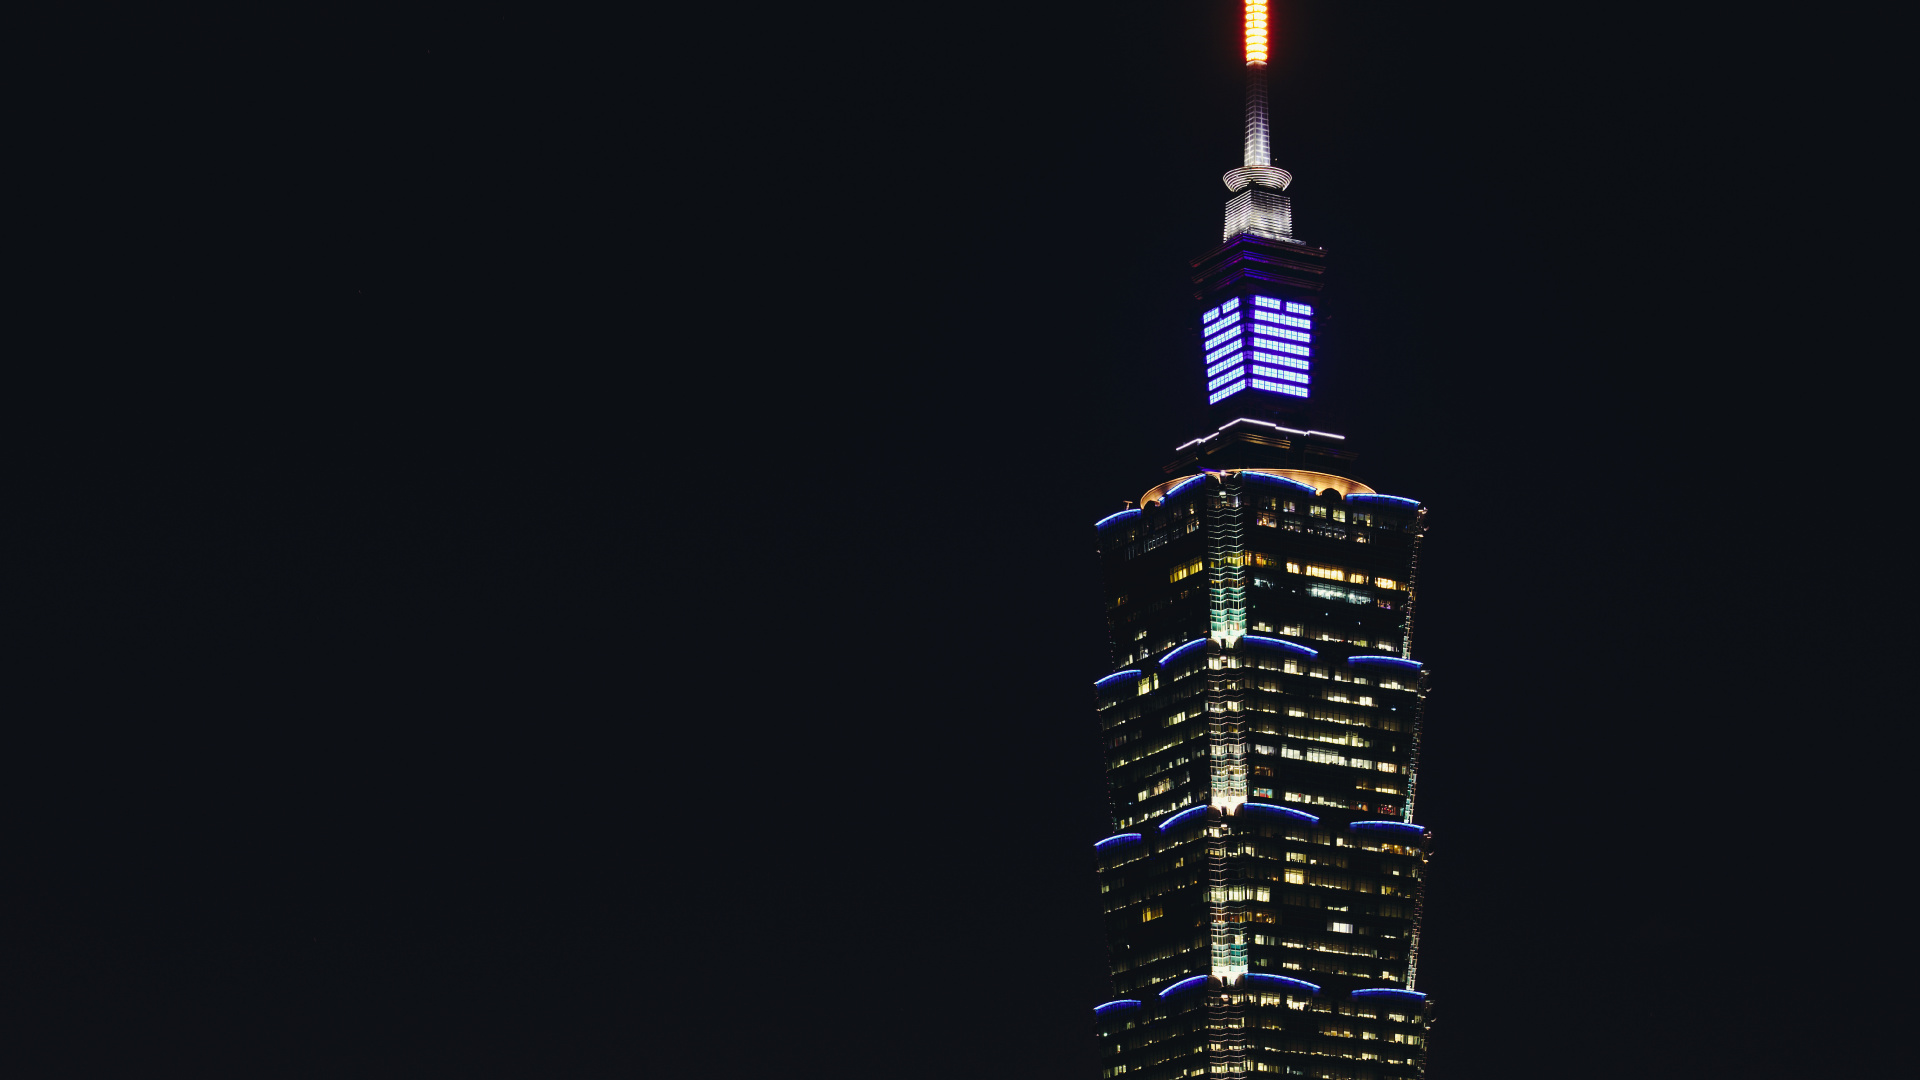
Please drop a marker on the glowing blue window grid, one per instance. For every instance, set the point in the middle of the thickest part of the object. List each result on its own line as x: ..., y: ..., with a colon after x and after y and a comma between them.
x: 1285, y: 347
x: 1283, y: 376
x: 1285, y: 351
x: 1224, y: 365
x: 1215, y: 384
x: 1284, y: 320
x: 1279, y: 387
x: 1293, y: 362
x: 1220, y: 395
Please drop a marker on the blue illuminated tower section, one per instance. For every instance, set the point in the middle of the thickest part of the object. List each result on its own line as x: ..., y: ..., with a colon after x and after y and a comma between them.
x: 1258, y: 343
x: 1261, y: 877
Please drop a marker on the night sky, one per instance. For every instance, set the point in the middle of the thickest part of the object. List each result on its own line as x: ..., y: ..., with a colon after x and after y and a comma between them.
x: 563, y: 550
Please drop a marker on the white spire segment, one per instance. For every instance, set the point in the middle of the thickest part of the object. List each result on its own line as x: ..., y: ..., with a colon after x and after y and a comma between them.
x: 1261, y: 207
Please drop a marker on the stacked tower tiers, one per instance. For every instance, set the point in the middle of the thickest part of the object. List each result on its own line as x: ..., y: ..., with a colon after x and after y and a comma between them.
x: 1261, y: 881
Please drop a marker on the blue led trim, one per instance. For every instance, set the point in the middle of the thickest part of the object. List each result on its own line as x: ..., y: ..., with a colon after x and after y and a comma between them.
x: 1175, y: 819
x: 1218, y: 395
x: 1278, y: 387
x: 1370, y: 496
x: 1284, y: 376
x: 1394, y: 660
x: 1222, y: 350
x: 1168, y: 659
x: 1225, y: 364
x: 1102, y: 523
x: 1272, y: 479
x: 1118, y: 836
x: 1123, y: 1003
x: 1379, y: 991
x: 1177, y: 488
x: 1309, y: 987
x: 1183, y: 984
x: 1295, y: 646
x: 1390, y: 826
x: 1228, y: 377
x: 1293, y: 362
x: 1300, y: 309
x: 1116, y: 675
x: 1301, y: 814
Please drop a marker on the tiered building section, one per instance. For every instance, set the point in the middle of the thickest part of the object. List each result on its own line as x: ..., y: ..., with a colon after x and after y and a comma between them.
x: 1261, y: 724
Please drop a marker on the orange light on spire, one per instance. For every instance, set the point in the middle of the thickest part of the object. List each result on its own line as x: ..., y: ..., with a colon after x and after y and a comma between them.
x: 1256, y: 31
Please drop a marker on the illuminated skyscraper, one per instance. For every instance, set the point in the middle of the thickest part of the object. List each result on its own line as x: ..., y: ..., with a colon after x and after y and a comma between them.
x: 1262, y: 725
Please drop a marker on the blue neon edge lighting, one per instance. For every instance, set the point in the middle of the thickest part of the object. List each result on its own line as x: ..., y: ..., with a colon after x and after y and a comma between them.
x: 1414, y: 664
x: 1176, y: 652
x: 1284, y: 644
x: 1375, y: 990
x: 1270, y: 478
x: 1188, y: 812
x: 1183, y: 984
x: 1301, y: 814
x: 1116, y: 675
x: 1114, y: 837
x: 1390, y: 826
x: 1111, y: 1005
x: 1111, y: 517
x: 1182, y: 485
x: 1388, y: 498
x: 1284, y: 979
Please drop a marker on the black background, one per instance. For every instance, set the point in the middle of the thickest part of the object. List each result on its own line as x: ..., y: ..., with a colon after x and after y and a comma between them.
x: 561, y: 549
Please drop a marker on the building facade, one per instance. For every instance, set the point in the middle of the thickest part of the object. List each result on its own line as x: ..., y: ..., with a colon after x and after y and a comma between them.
x: 1261, y: 727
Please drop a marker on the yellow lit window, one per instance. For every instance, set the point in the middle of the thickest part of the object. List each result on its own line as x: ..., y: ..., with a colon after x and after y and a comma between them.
x: 1357, y: 577
x: 1386, y: 583
x: 1152, y: 913
x: 1185, y: 570
x: 1293, y: 568
x: 1296, y: 877
x: 1317, y: 511
x: 1328, y: 572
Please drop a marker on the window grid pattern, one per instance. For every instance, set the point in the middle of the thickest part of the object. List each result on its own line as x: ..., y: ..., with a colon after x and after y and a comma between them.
x: 1279, y: 334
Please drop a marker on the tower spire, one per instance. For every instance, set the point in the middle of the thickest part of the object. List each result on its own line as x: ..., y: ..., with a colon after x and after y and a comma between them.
x: 1260, y: 206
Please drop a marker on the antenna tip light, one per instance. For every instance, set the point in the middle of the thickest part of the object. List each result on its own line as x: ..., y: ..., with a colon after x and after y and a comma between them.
x: 1256, y: 31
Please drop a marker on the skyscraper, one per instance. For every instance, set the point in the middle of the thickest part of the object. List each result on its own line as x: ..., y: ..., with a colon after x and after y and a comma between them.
x: 1261, y: 727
